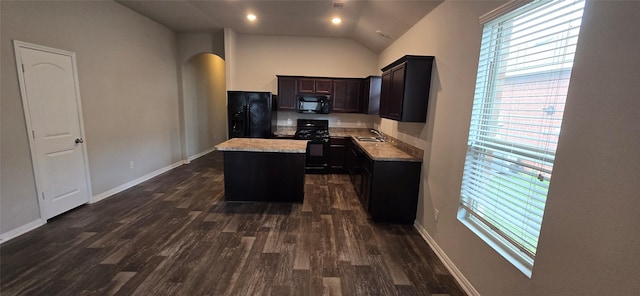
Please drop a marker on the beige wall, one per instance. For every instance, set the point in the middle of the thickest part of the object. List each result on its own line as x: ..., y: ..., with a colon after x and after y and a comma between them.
x: 191, y: 44
x: 205, y: 101
x: 202, y: 87
x: 258, y: 59
x: 127, y: 68
x: 589, y: 240
x: 127, y: 75
x: 261, y: 58
x: 230, y: 50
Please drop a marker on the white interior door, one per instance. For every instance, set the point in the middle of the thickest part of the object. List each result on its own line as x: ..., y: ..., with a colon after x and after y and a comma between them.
x: 51, y: 97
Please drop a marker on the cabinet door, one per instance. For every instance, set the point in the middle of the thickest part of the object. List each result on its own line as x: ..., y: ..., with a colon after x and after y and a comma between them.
x: 287, y: 93
x: 314, y: 86
x: 365, y: 191
x: 370, y: 95
x: 385, y: 94
x: 353, y: 166
x: 364, y: 95
x: 337, y: 153
x: 306, y: 85
x: 397, y: 92
x: 346, y: 95
x: 352, y: 103
x: 393, y: 191
x: 322, y: 86
x: 339, y: 96
x: 405, y: 89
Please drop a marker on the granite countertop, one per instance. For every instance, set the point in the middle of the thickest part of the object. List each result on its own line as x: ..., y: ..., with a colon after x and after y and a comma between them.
x: 390, y: 150
x: 263, y: 145
x: 386, y: 151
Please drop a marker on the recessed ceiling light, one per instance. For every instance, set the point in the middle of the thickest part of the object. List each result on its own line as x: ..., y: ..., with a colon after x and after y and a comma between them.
x: 252, y: 17
x: 336, y: 20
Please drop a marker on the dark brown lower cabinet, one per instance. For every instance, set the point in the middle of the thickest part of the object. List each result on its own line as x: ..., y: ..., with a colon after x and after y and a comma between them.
x: 353, y: 166
x: 393, y: 191
x: 388, y: 190
x: 337, y: 154
x: 268, y: 176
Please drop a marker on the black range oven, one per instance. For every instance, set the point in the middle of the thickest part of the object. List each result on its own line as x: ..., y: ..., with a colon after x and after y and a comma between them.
x: 317, y: 133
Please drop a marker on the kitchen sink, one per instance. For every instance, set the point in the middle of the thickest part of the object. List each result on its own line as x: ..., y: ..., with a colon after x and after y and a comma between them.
x: 369, y: 139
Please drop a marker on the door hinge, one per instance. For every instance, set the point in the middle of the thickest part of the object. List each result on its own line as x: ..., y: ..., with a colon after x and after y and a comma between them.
x: 43, y: 195
x: 23, y: 68
x: 33, y: 133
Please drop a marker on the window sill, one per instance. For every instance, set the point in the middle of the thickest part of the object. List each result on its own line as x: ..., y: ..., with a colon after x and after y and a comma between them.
x: 518, y: 259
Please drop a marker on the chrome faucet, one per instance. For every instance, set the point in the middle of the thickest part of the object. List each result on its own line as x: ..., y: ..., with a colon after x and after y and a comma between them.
x: 380, y: 134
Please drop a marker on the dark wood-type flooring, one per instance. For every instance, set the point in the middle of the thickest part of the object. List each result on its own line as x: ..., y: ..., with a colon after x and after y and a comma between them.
x: 175, y: 235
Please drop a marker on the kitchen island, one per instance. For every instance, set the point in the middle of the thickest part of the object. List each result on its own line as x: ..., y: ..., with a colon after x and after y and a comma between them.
x: 263, y: 169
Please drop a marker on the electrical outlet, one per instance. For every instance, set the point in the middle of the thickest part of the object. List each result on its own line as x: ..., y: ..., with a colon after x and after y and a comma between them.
x: 436, y: 215
x: 131, y: 164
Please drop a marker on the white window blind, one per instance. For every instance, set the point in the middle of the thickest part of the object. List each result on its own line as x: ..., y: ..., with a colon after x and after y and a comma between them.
x: 523, y: 75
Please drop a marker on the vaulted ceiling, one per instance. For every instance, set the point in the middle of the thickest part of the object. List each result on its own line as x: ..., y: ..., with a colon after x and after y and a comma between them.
x: 372, y: 23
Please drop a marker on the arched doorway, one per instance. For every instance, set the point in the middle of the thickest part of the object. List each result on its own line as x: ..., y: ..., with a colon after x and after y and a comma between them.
x: 204, y: 104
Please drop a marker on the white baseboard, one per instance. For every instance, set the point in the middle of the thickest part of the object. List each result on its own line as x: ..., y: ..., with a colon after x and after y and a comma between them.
x: 21, y: 230
x: 4, y: 237
x: 108, y: 193
x: 457, y: 274
x: 203, y: 153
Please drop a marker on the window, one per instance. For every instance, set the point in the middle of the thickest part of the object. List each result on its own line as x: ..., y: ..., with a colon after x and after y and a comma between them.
x: 525, y: 64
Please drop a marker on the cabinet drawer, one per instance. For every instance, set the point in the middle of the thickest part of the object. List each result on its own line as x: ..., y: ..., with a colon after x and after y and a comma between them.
x: 338, y: 141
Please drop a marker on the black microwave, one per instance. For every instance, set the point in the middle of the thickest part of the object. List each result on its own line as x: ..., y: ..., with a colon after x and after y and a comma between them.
x: 318, y: 104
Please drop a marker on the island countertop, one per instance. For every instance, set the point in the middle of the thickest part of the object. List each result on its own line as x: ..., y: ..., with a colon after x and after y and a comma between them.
x: 263, y: 145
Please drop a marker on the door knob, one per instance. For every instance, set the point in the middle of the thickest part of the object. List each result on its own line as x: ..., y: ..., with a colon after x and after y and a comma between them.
x: 79, y: 140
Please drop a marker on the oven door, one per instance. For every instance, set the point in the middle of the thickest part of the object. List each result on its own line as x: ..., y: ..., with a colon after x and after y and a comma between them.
x: 317, y: 155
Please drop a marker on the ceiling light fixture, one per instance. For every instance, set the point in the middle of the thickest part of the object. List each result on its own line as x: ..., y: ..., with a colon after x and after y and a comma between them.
x: 383, y: 34
x: 336, y: 20
x: 252, y: 17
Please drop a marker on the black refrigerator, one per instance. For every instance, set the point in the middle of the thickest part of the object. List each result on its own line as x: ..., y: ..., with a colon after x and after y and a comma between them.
x: 251, y: 114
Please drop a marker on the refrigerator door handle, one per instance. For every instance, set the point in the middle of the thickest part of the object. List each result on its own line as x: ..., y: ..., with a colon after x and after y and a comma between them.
x: 246, y: 121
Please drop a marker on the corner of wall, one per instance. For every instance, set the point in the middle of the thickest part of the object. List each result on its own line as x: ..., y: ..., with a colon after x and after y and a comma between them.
x: 455, y: 272
x: 230, y: 40
x: 11, y: 234
x: 217, y: 43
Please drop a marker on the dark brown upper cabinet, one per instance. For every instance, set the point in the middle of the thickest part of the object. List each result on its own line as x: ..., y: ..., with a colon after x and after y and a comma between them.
x: 370, y: 95
x: 385, y: 93
x: 310, y: 85
x: 346, y: 95
x: 287, y: 90
x: 404, y: 95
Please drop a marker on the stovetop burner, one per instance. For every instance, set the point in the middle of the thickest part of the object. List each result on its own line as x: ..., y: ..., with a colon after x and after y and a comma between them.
x: 312, y: 129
